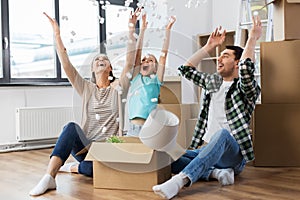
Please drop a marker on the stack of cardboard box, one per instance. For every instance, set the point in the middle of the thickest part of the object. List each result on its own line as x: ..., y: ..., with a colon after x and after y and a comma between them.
x: 277, y: 118
x: 133, y: 166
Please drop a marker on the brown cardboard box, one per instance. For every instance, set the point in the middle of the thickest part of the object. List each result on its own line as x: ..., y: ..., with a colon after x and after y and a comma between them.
x: 286, y: 23
x: 276, y: 135
x: 170, y: 91
x: 280, y: 72
x: 129, y: 165
x: 185, y: 113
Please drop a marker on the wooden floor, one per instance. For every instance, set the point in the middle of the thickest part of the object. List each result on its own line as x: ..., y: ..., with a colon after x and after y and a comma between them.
x: 21, y: 171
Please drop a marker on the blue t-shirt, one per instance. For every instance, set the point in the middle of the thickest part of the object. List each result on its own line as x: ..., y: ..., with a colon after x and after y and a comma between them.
x: 143, y: 96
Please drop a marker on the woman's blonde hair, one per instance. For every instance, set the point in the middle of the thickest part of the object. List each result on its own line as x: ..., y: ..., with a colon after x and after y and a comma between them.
x: 93, y: 78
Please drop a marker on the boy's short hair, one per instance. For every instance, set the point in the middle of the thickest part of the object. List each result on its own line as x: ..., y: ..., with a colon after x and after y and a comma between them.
x: 237, y: 51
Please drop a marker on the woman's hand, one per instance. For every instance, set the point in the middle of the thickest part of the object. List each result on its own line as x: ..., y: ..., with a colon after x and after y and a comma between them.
x: 54, y: 24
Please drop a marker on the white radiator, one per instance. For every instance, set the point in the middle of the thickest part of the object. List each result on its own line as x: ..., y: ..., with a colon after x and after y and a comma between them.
x: 41, y: 122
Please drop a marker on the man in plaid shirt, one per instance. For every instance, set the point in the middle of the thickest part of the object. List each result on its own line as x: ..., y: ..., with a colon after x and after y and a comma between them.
x: 224, y: 123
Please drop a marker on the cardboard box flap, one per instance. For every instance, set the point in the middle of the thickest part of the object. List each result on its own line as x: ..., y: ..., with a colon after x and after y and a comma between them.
x: 120, y: 153
x: 293, y: 1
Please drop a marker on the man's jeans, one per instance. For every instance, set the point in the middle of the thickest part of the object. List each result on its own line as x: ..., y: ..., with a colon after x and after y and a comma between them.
x: 221, y: 152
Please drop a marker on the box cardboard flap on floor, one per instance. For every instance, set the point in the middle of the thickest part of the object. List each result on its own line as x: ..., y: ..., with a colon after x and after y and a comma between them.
x: 129, y: 165
x: 285, y: 17
x: 280, y: 72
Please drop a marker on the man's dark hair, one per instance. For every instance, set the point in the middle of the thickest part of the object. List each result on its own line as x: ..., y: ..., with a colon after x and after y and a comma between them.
x: 237, y: 51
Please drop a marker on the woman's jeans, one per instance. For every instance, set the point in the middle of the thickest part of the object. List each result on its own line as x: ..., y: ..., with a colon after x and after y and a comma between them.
x: 71, y: 141
x: 221, y: 152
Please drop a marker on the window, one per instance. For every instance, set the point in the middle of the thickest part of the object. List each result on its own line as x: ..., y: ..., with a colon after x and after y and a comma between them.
x: 31, y: 42
x: 117, y: 35
x: 80, y: 32
x: 30, y: 56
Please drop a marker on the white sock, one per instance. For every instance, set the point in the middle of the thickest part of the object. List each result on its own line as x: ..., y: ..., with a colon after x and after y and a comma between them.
x: 171, y: 187
x: 46, y: 183
x: 67, y: 167
x: 224, y: 176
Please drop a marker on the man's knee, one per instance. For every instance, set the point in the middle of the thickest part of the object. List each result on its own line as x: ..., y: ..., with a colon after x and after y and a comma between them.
x: 222, y: 133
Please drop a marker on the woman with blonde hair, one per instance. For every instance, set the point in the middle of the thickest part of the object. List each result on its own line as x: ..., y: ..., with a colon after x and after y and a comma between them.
x: 100, y: 109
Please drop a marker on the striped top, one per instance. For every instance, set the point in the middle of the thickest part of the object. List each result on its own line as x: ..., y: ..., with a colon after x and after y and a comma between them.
x: 100, y: 108
x: 102, y: 114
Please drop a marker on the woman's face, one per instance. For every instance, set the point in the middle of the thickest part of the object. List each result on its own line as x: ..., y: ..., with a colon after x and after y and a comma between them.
x: 101, y: 63
x: 148, y: 65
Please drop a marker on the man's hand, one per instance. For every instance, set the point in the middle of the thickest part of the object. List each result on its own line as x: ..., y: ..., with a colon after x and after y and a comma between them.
x: 256, y: 29
x: 216, y: 38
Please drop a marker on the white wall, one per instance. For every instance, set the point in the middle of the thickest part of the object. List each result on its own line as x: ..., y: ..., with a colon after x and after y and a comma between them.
x: 190, y: 22
x: 14, y: 97
x: 225, y: 13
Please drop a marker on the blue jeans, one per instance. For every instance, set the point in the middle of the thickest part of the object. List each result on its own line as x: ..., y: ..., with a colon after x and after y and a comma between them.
x: 71, y: 141
x: 221, y: 152
x: 134, y: 130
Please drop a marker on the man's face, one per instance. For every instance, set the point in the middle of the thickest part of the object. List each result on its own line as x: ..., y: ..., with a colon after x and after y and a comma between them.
x: 227, y: 63
x: 148, y: 65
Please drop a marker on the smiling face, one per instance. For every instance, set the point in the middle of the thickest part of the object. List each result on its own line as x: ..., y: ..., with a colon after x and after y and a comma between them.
x: 100, y: 64
x: 227, y: 65
x: 148, y: 65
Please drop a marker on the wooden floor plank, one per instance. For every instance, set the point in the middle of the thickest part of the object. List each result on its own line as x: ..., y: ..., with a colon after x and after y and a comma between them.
x: 21, y: 171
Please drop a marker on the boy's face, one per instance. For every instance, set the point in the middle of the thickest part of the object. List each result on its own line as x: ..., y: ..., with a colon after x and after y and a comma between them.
x: 148, y: 65
x: 227, y: 63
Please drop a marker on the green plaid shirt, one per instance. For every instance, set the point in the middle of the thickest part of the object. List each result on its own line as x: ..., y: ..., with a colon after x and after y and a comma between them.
x: 239, y: 103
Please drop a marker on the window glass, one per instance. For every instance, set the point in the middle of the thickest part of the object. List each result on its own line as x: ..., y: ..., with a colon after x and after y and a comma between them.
x: 79, y: 22
x: 116, y: 34
x: 31, y: 48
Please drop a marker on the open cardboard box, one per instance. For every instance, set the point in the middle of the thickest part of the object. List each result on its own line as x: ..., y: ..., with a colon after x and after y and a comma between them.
x: 129, y: 165
x: 286, y: 25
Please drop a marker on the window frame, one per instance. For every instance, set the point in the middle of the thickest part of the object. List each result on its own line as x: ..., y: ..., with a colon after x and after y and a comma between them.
x: 58, y: 81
